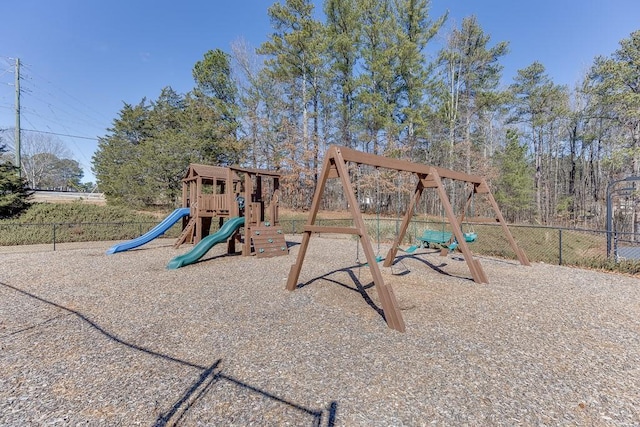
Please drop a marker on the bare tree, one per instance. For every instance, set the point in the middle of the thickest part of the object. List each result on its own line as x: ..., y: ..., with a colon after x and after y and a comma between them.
x: 41, y: 154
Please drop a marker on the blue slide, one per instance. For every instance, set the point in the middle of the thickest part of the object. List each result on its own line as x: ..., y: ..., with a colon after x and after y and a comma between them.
x: 155, y: 232
x: 198, y: 251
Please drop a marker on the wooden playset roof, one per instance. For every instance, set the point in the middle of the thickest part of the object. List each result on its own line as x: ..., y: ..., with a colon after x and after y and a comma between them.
x: 262, y: 172
x: 196, y: 170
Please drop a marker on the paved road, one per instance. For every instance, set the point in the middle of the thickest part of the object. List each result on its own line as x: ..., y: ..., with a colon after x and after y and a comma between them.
x: 51, y: 196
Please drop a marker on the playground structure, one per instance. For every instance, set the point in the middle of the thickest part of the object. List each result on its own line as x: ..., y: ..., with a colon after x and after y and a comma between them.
x: 213, y: 191
x: 208, y: 192
x: 335, y: 166
x: 267, y: 237
x: 154, y: 233
x: 238, y: 197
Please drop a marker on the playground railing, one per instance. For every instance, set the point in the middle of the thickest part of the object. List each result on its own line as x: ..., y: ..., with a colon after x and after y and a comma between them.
x: 214, y: 202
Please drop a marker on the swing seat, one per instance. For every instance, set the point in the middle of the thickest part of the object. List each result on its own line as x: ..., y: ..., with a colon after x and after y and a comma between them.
x: 434, y: 237
x: 411, y: 249
x: 379, y: 258
x: 470, y: 237
x: 441, y: 238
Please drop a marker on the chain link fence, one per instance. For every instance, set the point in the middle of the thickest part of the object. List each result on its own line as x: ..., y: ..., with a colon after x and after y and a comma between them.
x: 552, y: 245
x: 12, y: 234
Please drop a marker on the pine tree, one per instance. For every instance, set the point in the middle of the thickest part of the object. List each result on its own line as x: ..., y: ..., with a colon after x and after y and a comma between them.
x: 615, y: 82
x: 14, y: 193
x: 295, y: 61
x: 378, y: 84
x: 142, y: 159
x: 116, y: 162
x: 212, y: 110
x: 343, y: 30
x: 514, y: 187
x: 415, y: 31
x: 540, y: 106
x: 472, y: 73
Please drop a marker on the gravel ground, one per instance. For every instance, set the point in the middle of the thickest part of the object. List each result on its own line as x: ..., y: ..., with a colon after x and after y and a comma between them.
x: 94, y: 339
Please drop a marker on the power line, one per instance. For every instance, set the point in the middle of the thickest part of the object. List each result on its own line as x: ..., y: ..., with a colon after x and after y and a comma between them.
x: 62, y: 134
x: 68, y: 95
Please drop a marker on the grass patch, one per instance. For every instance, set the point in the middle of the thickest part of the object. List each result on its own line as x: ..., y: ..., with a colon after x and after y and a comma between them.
x: 73, y: 222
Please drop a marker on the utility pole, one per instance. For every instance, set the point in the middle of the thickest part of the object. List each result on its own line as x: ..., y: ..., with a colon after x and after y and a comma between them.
x: 17, y: 128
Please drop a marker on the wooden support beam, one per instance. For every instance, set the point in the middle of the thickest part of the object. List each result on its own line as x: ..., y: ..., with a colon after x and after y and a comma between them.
x: 522, y: 257
x: 331, y: 229
x: 294, y: 272
x: 475, y: 268
x: 351, y: 155
x: 248, y: 190
x: 482, y: 188
x: 428, y: 182
x: 390, y: 307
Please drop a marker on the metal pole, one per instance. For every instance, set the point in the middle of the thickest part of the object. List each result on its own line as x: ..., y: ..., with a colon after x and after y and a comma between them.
x: 560, y: 247
x: 609, y: 218
x: 17, y: 128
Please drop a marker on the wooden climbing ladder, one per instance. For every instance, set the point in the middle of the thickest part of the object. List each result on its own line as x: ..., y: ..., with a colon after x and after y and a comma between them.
x: 187, y: 233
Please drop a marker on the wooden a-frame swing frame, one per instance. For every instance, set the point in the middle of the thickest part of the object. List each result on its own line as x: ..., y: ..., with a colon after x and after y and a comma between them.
x: 335, y: 166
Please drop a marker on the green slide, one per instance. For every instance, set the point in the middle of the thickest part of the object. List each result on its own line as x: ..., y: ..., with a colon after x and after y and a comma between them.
x: 198, y: 251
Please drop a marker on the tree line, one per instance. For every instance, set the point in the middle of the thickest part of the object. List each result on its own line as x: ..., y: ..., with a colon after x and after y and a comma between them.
x: 363, y: 78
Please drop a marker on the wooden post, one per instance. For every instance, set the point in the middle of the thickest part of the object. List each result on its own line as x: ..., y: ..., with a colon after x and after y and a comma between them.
x: 199, y: 222
x: 248, y: 189
x: 522, y: 257
x: 475, y: 268
x: 232, y: 204
x: 294, y: 272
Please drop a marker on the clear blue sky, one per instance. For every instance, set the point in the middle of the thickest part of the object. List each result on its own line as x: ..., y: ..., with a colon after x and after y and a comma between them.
x: 83, y: 59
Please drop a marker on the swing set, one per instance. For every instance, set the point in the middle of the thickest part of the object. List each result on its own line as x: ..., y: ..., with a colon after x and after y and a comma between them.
x: 335, y: 166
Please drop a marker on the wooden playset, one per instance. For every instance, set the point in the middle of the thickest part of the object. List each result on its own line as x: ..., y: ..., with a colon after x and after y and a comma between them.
x: 267, y: 236
x: 335, y: 166
x: 208, y: 192
x: 227, y: 192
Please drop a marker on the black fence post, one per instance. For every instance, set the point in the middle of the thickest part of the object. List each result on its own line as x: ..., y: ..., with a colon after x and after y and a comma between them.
x: 560, y: 246
x: 54, y: 236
